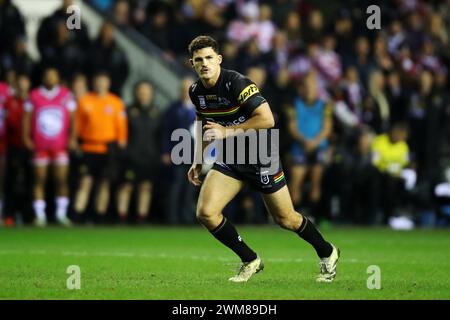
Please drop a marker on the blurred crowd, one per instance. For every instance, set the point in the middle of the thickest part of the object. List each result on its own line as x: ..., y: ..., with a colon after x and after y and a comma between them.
x: 364, y: 115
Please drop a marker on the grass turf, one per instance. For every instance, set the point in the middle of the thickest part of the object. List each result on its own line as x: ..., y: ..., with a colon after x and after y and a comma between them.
x: 188, y: 263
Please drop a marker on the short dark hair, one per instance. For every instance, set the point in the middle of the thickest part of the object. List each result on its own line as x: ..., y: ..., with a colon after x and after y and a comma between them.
x: 201, y: 42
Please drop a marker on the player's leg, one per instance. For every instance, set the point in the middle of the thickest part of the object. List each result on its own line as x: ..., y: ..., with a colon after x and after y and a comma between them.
x: 316, y: 180
x: 60, y: 176
x: 83, y: 192
x: 123, y: 199
x: 88, y: 171
x: 279, y: 205
x: 217, y: 191
x: 40, y: 177
x: 144, y: 199
x: 298, y: 174
x: 102, y: 197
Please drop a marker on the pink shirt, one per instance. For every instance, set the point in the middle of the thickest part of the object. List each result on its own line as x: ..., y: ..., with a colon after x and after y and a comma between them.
x: 50, y: 121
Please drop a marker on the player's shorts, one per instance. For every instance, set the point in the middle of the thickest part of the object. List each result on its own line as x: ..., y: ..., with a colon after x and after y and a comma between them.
x: 99, y: 165
x: 257, y: 176
x: 319, y: 156
x: 133, y: 172
x: 46, y: 157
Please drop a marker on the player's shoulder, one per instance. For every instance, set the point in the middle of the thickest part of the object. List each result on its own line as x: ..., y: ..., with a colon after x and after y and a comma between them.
x: 65, y: 90
x: 35, y: 93
x: 114, y: 99
x: 233, y: 76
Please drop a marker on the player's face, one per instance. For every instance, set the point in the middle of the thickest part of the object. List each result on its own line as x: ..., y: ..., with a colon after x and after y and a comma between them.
x: 51, y: 78
x: 206, y: 63
x: 101, y: 84
x: 23, y: 84
x: 144, y: 94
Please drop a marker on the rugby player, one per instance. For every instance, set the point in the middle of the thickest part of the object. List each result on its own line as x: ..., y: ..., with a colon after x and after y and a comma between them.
x: 224, y: 100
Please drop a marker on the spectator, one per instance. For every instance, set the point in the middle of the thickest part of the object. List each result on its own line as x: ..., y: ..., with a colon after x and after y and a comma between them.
x: 17, y: 60
x: 376, y: 111
x: 121, y: 13
x: 397, y: 96
x: 310, y: 125
x: 390, y: 155
x: 102, y: 128
x: 105, y: 55
x: 180, y: 197
x: 18, y: 170
x: 362, y: 179
x: 60, y: 46
x: 48, y: 131
x: 362, y: 60
x: 79, y: 86
x: 5, y: 92
x: 142, y: 157
x: 12, y: 26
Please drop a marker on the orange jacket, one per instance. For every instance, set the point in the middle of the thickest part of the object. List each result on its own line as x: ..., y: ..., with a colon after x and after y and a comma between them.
x: 99, y: 121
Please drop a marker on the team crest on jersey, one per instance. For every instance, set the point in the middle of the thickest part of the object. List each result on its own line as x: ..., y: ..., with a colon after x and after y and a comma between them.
x: 108, y: 110
x: 201, y: 100
x: 50, y: 121
x: 224, y: 102
x: 265, y: 177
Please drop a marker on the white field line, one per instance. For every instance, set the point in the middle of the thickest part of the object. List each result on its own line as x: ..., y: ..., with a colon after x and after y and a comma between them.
x: 122, y: 254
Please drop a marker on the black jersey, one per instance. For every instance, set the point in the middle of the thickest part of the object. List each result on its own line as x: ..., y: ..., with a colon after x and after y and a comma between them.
x: 230, y: 101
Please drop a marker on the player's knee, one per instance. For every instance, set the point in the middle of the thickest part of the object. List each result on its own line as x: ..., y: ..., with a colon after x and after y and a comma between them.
x: 204, y: 213
x: 286, y: 222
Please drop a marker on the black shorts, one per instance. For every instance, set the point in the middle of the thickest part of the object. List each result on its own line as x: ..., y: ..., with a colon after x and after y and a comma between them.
x: 257, y: 176
x: 99, y: 165
x: 315, y: 157
x: 134, y: 172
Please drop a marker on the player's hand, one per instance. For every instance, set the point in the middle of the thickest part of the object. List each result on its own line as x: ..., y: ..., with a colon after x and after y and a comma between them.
x: 310, y: 146
x: 194, y: 174
x: 214, y: 131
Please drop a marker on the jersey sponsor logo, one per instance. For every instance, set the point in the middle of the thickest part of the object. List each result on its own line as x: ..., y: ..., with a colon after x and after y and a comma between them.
x: 249, y: 91
x: 211, y: 97
x: 265, y: 177
x: 50, y: 122
x: 201, y: 100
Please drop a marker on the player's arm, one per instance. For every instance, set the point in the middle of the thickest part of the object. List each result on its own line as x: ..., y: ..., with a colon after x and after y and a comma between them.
x: 327, y: 126
x: 121, y: 125
x: 199, y: 147
x: 26, y: 125
x: 71, y: 107
x: 261, y: 118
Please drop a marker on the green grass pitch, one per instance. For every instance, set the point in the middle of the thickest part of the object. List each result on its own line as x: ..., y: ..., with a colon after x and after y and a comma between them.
x: 188, y: 263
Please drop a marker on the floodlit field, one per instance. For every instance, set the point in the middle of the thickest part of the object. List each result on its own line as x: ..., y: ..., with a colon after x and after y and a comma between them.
x: 188, y: 263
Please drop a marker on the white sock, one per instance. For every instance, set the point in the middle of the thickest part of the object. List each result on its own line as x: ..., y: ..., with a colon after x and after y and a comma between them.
x: 39, y: 209
x: 61, y: 207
